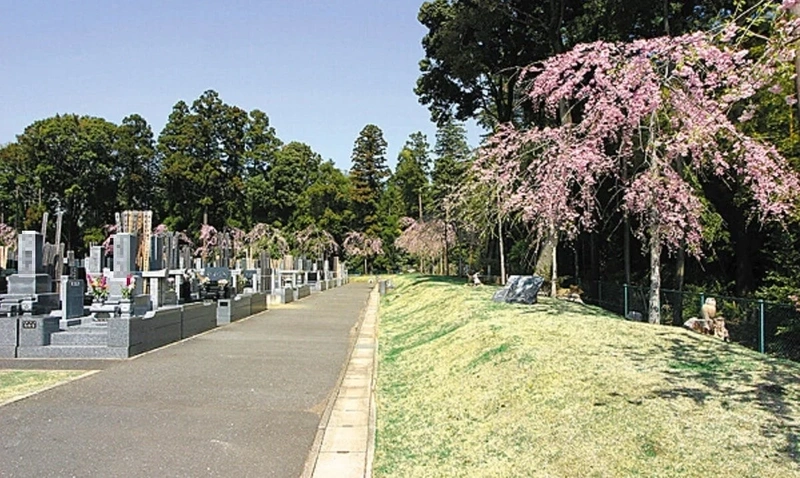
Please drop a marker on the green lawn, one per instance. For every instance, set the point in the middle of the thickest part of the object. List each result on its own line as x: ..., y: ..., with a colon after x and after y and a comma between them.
x: 467, y: 387
x: 18, y: 383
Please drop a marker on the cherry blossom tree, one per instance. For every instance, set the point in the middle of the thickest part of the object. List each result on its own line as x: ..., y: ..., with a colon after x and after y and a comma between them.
x: 8, y: 241
x: 209, y: 242
x: 8, y: 236
x: 316, y: 242
x: 358, y: 244
x: 263, y: 237
x: 427, y: 240
x: 649, y: 115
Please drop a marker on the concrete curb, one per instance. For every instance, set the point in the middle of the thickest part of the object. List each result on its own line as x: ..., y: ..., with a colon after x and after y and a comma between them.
x: 347, y: 443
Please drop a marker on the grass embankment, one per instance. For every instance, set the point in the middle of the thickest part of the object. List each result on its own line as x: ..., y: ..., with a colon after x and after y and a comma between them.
x: 18, y: 383
x: 468, y: 387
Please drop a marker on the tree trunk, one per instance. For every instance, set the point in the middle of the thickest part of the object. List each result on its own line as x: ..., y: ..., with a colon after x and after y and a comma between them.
x: 575, y: 258
x: 680, y: 271
x: 502, y: 252
x: 544, y: 263
x: 445, y: 264
x: 554, y: 270
x: 654, y: 312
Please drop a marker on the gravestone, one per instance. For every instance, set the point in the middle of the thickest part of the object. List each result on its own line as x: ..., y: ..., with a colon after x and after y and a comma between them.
x: 157, y: 252
x: 519, y: 290
x: 94, y: 263
x: 171, y: 251
x: 30, y: 289
x: 125, y: 248
x: 72, y: 265
x: 73, y: 299
x: 185, y: 259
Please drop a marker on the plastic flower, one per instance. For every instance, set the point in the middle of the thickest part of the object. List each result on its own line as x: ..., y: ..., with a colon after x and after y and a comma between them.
x: 130, y: 284
x: 99, y: 286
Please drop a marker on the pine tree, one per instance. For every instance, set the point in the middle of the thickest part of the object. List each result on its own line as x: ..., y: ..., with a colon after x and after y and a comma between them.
x: 411, y: 175
x: 367, y: 175
x: 452, y: 154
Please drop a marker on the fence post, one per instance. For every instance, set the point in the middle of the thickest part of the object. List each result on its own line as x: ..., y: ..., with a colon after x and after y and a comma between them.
x: 625, y: 288
x: 761, y: 326
x: 702, y: 300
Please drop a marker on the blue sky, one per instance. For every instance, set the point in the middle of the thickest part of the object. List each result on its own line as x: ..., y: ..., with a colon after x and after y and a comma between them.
x: 321, y: 70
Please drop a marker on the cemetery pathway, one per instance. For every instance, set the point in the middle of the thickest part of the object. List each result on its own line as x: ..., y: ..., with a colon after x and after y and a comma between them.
x: 244, y: 400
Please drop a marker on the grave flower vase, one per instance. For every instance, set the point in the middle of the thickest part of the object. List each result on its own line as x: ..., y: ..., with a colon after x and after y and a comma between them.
x: 125, y: 307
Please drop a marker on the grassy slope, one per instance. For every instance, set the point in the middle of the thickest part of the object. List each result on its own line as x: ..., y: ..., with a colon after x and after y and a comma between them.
x: 467, y: 387
x: 16, y: 383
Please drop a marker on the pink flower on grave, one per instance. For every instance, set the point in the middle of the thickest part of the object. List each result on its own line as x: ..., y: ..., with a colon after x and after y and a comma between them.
x: 98, y: 285
x: 130, y: 284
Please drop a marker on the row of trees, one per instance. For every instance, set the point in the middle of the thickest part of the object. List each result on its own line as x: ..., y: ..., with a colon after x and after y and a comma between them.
x: 218, y: 167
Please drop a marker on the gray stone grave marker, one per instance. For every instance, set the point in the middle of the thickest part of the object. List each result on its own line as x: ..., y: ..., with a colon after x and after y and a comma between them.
x: 94, y: 263
x: 124, y: 254
x: 157, y: 244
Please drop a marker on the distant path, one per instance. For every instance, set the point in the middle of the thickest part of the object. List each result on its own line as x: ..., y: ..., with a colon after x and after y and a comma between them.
x: 243, y: 400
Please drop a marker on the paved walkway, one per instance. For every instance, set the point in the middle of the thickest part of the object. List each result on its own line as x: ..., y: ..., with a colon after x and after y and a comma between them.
x: 347, y: 446
x: 251, y: 399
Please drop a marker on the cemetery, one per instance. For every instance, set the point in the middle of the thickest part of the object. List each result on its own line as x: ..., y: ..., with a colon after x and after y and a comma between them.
x: 145, y: 291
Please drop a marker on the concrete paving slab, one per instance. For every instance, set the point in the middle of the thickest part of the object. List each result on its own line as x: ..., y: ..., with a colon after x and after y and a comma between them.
x: 341, y: 465
x: 349, y: 418
x: 349, y: 439
x: 348, y: 445
x: 351, y: 404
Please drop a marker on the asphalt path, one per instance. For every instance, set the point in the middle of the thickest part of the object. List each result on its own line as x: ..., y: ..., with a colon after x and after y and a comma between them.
x: 244, y: 400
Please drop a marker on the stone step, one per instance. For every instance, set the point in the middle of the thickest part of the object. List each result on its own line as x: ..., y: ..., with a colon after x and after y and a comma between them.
x: 73, y: 351
x: 80, y: 336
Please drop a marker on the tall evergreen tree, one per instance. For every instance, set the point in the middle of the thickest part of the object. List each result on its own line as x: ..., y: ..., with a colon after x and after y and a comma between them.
x: 367, y: 175
x: 326, y: 202
x: 411, y: 175
x: 208, y: 151
x: 295, y: 169
x: 137, y: 157
x: 261, y: 148
x: 452, y: 155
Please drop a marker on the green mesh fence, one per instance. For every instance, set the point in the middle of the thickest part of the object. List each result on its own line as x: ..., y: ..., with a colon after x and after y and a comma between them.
x: 768, y: 327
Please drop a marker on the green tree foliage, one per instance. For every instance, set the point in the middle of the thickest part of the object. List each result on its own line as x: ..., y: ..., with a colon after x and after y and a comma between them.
x: 207, y: 151
x: 411, y: 175
x: 367, y: 175
x: 19, y: 187
x: 294, y: 170
x: 76, y: 168
x: 474, y: 49
x: 450, y: 164
x: 326, y: 202
x: 261, y: 148
x: 138, y: 166
x: 391, y: 210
